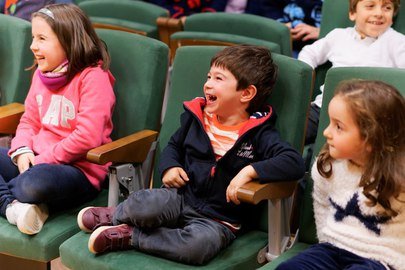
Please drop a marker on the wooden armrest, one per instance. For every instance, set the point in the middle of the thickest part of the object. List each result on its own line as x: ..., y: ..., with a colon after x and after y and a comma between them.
x: 10, y: 115
x: 168, y: 26
x: 254, y: 192
x: 130, y: 149
x: 119, y: 28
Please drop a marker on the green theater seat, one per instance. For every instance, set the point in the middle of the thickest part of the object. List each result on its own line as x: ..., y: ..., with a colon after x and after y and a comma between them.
x: 139, y: 91
x: 125, y: 15
x: 15, y: 57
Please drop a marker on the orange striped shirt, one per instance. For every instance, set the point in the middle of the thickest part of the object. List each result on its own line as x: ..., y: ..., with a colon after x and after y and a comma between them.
x: 222, y: 137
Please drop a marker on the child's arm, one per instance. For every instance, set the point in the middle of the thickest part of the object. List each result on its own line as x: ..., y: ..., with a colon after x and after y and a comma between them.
x: 277, y: 160
x: 172, y: 157
x: 30, y: 123
x: 317, y: 53
x: 245, y: 175
x: 175, y: 177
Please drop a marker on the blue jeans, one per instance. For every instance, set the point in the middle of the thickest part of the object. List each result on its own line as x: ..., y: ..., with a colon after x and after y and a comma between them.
x: 59, y: 186
x: 166, y: 227
x: 325, y: 256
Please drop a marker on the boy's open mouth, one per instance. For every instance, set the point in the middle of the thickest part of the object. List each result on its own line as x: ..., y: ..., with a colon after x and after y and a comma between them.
x: 211, y: 98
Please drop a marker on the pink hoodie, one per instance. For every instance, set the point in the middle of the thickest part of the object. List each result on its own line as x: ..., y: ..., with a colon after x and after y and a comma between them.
x: 62, y: 126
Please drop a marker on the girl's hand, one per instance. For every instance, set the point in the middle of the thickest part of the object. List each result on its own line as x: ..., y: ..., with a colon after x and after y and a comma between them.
x: 245, y: 175
x: 24, y: 161
x: 175, y: 177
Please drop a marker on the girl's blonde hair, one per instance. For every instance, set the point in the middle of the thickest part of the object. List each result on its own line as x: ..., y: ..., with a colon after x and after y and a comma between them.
x: 379, y: 112
x: 76, y: 35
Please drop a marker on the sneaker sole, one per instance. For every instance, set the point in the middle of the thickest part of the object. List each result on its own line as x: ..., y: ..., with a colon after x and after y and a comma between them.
x: 93, y: 237
x: 32, y: 221
x: 80, y: 220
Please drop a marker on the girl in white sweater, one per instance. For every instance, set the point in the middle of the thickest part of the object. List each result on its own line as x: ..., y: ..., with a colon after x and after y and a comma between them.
x: 359, y: 182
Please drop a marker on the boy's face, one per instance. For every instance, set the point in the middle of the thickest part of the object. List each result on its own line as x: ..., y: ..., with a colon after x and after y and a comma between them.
x: 220, y: 92
x: 372, y: 17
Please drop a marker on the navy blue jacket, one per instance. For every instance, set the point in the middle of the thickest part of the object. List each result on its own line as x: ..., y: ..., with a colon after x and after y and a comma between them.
x: 259, y: 145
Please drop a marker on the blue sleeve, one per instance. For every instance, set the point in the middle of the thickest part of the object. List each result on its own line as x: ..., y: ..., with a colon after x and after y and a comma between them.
x: 279, y: 160
x: 2, y: 3
x: 173, y: 154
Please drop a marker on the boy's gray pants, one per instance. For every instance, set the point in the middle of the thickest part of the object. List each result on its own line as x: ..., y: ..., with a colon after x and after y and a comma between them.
x: 166, y: 227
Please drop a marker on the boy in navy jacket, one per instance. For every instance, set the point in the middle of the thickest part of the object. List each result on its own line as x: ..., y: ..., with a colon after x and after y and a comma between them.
x: 226, y: 139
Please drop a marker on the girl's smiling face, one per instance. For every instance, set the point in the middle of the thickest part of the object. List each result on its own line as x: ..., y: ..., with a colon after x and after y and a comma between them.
x: 45, y: 46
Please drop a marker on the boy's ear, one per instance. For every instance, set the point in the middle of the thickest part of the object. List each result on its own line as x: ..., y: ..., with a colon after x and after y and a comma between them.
x: 352, y: 16
x: 248, y: 93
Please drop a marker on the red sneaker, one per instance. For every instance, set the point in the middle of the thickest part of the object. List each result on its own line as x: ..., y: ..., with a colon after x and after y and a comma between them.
x: 90, y: 218
x: 110, y: 238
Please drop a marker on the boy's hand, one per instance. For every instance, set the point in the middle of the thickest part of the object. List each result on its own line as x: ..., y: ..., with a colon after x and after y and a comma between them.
x: 24, y: 161
x: 175, y: 177
x: 304, y: 32
x: 245, y: 175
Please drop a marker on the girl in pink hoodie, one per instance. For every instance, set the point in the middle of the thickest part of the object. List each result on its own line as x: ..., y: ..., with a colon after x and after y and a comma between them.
x: 67, y: 112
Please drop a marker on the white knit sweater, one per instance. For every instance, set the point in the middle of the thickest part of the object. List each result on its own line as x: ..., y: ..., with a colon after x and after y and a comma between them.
x: 345, y: 220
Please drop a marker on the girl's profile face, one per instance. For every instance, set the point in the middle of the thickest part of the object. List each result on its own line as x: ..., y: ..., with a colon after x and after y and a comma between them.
x: 343, y: 134
x: 45, y: 46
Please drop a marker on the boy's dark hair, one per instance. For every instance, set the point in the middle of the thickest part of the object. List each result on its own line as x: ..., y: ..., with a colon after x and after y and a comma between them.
x: 77, y: 36
x: 353, y: 5
x: 251, y: 65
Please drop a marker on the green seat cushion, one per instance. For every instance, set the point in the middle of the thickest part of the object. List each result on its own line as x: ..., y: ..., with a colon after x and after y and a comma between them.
x: 241, y: 254
x: 150, y: 30
x: 297, y: 248
x: 231, y: 38
x: 43, y: 246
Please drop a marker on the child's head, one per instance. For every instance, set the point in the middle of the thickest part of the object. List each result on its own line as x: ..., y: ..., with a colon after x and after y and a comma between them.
x: 372, y: 17
x: 252, y: 67
x: 75, y: 35
x: 367, y: 123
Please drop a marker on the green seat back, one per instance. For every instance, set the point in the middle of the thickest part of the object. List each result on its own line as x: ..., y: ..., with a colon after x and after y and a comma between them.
x: 399, y: 20
x: 136, y: 15
x: 307, y: 229
x: 335, y: 14
x: 239, y: 25
x: 15, y: 57
x: 139, y: 87
x: 291, y: 99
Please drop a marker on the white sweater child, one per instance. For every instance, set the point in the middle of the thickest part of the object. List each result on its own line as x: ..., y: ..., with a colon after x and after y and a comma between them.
x: 344, y: 220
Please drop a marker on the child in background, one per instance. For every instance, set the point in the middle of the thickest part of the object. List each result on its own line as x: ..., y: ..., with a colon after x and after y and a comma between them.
x: 371, y: 42
x: 24, y: 8
x: 46, y: 165
x: 359, y: 188
x: 225, y: 140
